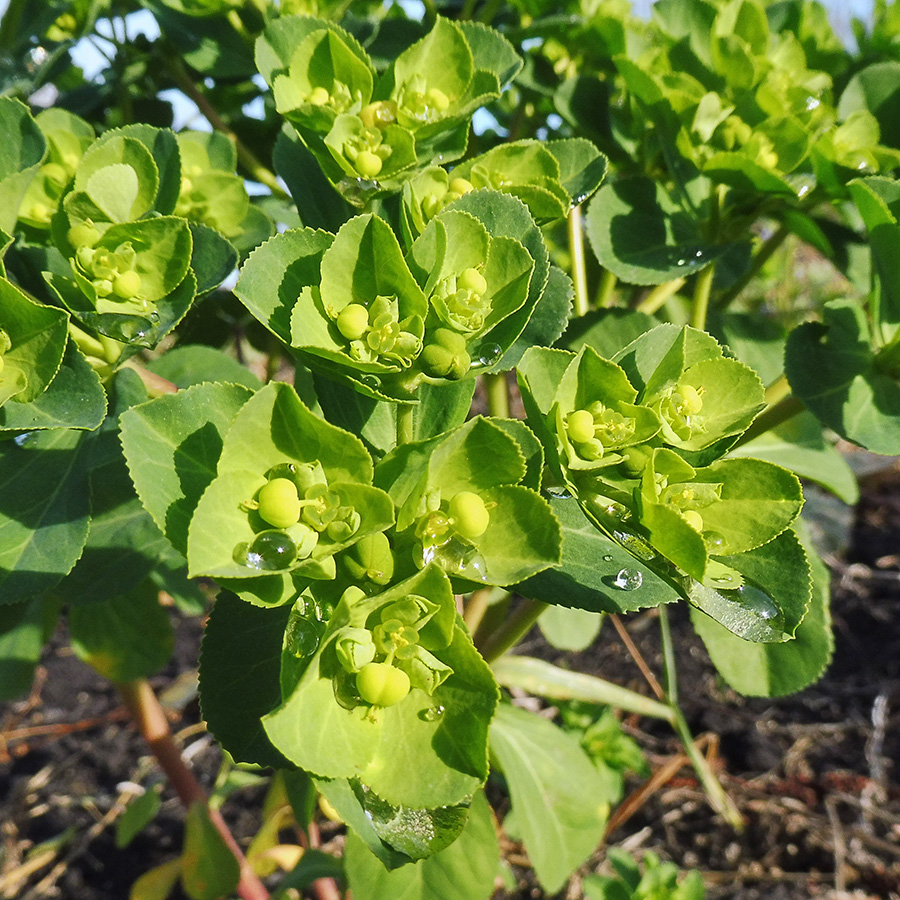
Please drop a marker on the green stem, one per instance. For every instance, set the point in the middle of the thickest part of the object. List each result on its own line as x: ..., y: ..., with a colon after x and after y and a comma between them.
x: 720, y: 800
x: 490, y: 10
x: 246, y: 158
x: 659, y: 295
x: 702, y: 288
x: 763, y: 255
x: 405, y: 424
x: 512, y: 630
x: 771, y: 417
x: 467, y: 10
x: 151, y: 721
x: 497, y: 394
x: 576, y: 252
x: 668, y: 650
x: 606, y: 291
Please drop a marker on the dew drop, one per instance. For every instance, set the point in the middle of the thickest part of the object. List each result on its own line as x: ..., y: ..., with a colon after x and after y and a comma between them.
x: 487, y: 354
x: 756, y: 601
x: 369, y: 381
x: 713, y: 539
x: 323, y: 610
x: 635, y: 545
x: 282, y: 470
x: 20, y: 440
x: 269, y: 550
x: 301, y: 637
x: 681, y: 262
x: 433, y: 713
x: 559, y: 493
x: 812, y: 103
x: 607, y: 557
x: 456, y: 557
x: 723, y: 579
x: 628, y: 580
x: 579, y: 199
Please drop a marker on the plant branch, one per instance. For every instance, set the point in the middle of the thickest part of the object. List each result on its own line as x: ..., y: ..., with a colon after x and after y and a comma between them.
x: 783, y: 405
x: 151, y: 721
x: 668, y: 651
x: 405, y: 423
x: 576, y: 252
x: 637, y: 656
x: 763, y: 255
x: 659, y: 295
x: 497, y: 394
x: 246, y: 157
x: 606, y: 292
x: 702, y: 289
x: 512, y: 630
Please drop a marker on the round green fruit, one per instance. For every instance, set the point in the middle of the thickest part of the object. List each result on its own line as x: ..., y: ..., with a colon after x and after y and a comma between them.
x: 367, y: 163
x: 470, y: 516
x: 472, y: 280
x: 353, y: 321
x: 83, y: 235
x: 381, y: 684
x: 127, y: 285
x: 279, y: 503
x: 580, y: 426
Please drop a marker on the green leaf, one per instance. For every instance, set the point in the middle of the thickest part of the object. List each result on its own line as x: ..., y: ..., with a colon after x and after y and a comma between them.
x: 569, y: 628
x: 36, y: 342
x: 274, y: 275
x: 123, y: 545
x: 24, y: 628
x: 124, y: 638
x: 213, y: 258
x: 642, y: 235
x: 209, y: 869
x: 139, y: 813
x: 163, y: 145
x: 463, y: 871
x: 832, y: 369
x: 120, y: 176
x: 875, y: 89
x: 44, y: 511
x: 558, y: 796
x: 773, y: 670
x: 588, y: 574
x: 799, y: 445
x: 190, y: 364
x: 173, y: 445
x: 606, y: 330
x: 771, y: 604
x: 24, y: 149
x: 240, y: 669
x: 74, y: 399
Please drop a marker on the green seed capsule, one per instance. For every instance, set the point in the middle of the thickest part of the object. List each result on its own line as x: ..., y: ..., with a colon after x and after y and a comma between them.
x: 126, y: 285
x: 580, y: 426
x: 319, y: 97
x: 472, y: 280
x: 437, y: 99
x: 83, y: 235
x: 381, y: 684
x: 279, y: 503
x: 367, y: 163
x: 469, y: 514
x: 353, y: 321
x: 461, y: 186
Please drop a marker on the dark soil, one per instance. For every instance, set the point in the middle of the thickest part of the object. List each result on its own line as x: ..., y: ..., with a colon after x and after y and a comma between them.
x: 814, y: 775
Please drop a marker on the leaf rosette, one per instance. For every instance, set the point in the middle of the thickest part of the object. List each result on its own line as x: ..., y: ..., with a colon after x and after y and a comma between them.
x: 367, y: 132
x: 467, y: 517
x: 436, y: 726
x: 323, y: 501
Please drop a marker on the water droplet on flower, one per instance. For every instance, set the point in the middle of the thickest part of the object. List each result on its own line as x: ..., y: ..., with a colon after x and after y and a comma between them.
x: 713, y: 540
x: 628, y: 580
x: 301, y: 637
x: 433, y: 713
x: 270, y: 550
x: 756, y: 601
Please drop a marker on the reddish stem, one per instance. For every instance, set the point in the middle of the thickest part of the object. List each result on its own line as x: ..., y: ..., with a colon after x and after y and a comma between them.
x: 151, y: 721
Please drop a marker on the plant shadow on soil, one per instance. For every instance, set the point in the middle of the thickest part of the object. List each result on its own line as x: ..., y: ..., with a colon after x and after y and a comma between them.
x: 815, y: 774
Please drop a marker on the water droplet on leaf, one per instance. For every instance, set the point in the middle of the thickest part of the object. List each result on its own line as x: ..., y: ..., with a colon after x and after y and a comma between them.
x: 301, y: 637
x: 607, y: 557
x: 20, y: 440
x: 559, y: 493
x: 628, y: 580
x: 433, y: 713
x: 756, y: 601
x: 456, y: 557
x: 713, y: 540
x: 487, y: 354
